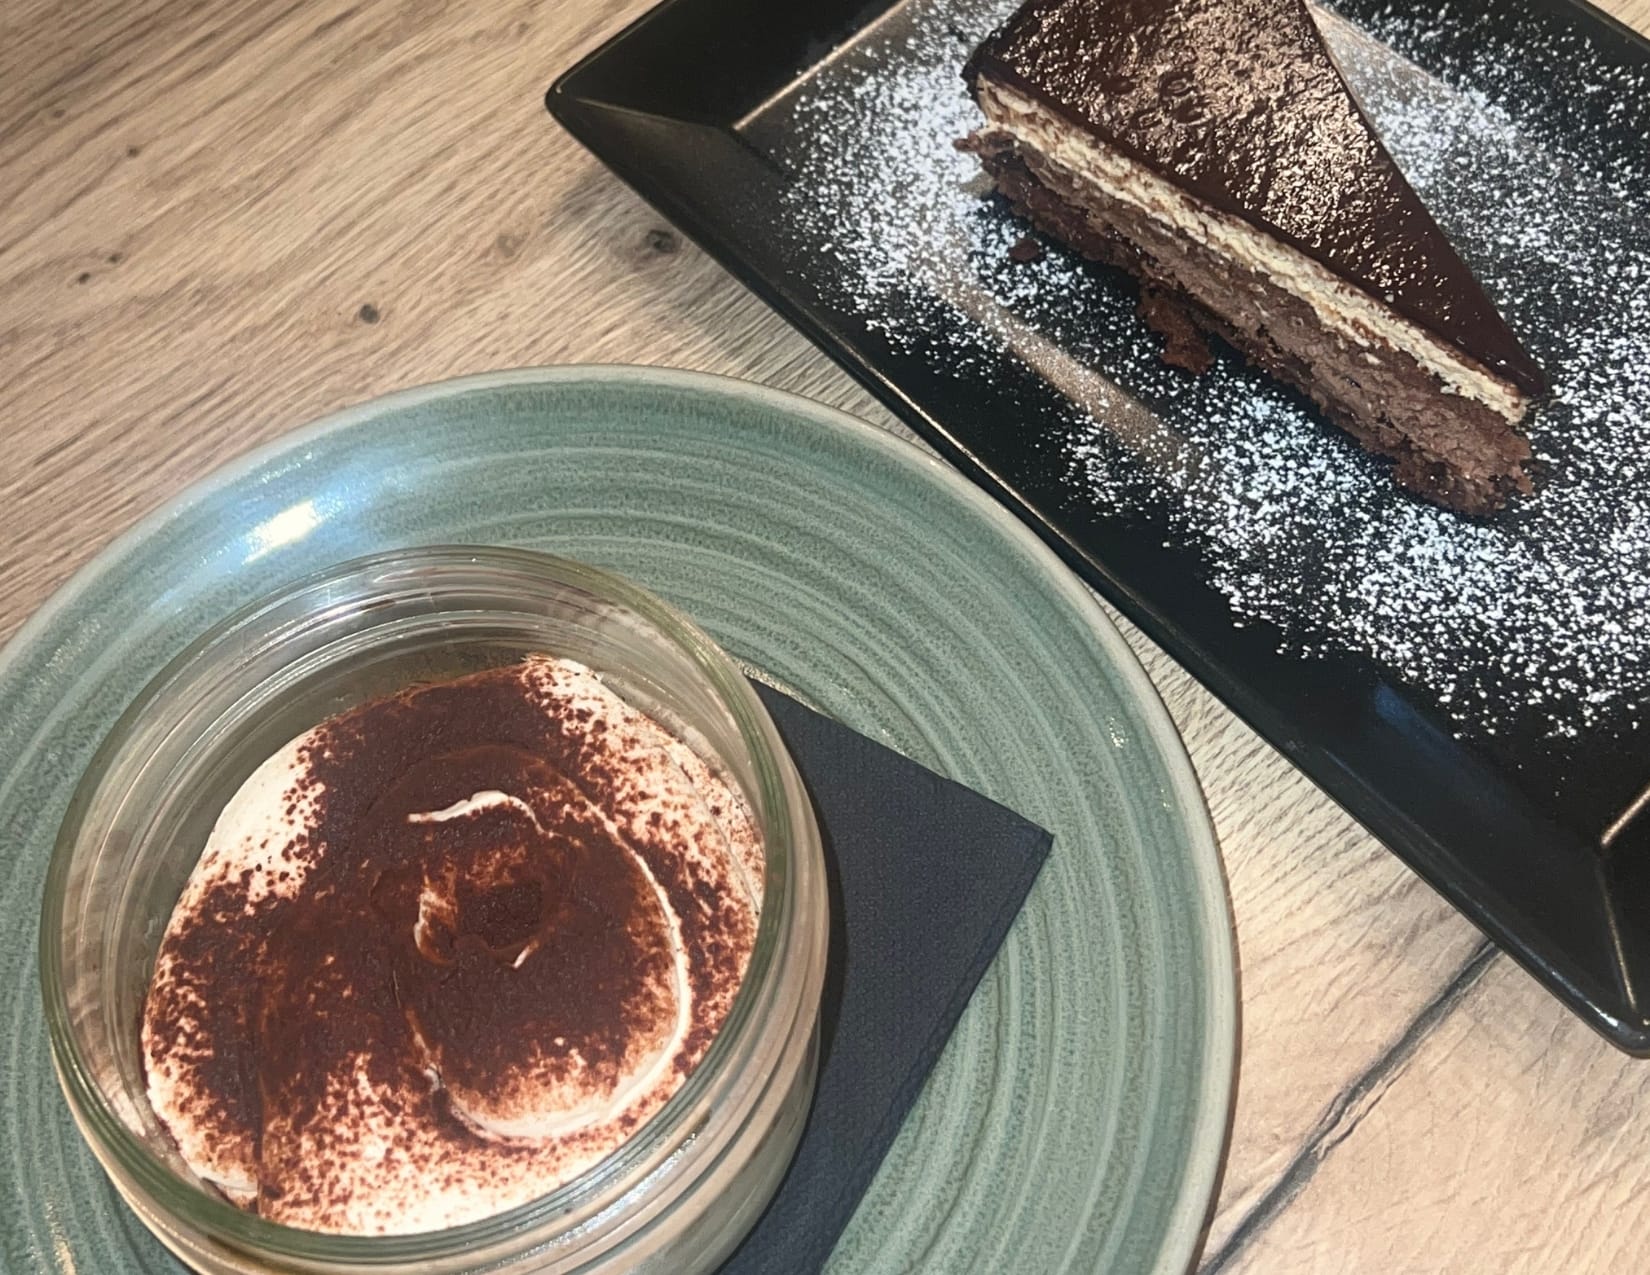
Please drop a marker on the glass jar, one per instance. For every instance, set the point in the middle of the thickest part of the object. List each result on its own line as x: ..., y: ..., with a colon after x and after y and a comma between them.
x: 686, y: 1187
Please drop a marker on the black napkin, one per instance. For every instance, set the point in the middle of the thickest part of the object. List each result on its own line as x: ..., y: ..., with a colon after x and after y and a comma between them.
x: 925, y: 878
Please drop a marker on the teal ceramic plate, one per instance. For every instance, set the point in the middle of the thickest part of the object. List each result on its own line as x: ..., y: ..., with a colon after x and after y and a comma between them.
x: 1076, y: 1119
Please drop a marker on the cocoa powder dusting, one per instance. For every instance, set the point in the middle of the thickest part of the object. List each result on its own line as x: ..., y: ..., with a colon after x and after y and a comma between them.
x: 494, y: 875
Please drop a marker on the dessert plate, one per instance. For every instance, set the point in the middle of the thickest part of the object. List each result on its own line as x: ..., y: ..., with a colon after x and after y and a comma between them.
x: 1076, y: 1119
x: 1477, y: 692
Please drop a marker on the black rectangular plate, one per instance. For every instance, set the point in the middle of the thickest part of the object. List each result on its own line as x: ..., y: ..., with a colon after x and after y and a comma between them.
x: 1534, y: 836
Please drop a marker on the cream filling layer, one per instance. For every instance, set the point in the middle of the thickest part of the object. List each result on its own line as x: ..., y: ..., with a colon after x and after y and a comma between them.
x: 1341, y: 308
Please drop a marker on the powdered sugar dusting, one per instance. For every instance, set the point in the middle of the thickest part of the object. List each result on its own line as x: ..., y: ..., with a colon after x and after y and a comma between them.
x: 1531, y: 619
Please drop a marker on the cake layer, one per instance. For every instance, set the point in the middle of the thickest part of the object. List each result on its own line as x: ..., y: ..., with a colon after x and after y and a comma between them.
x: 1342, y: 309
x: 1447, y: 424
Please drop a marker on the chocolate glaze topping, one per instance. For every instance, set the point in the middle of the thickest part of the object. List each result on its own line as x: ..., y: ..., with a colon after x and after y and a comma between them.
x: 511, y: 946
x: 1240, y: 103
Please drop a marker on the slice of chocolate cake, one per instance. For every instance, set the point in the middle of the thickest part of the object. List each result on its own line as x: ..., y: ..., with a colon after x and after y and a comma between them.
x: 1211, y: 148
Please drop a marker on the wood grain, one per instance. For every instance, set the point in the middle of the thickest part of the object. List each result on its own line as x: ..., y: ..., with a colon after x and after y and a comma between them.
x: 222, y: 218
x: 1511, y: 1140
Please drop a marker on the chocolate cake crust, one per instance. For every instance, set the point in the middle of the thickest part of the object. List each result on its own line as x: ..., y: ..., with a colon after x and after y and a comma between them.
x: 1239, y: 103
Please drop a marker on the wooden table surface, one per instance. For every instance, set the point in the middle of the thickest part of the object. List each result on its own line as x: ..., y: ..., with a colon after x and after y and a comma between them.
x: 222, y: 218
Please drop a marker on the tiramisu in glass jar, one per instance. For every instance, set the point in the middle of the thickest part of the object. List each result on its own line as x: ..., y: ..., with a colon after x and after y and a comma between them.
x: 458, y: 908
